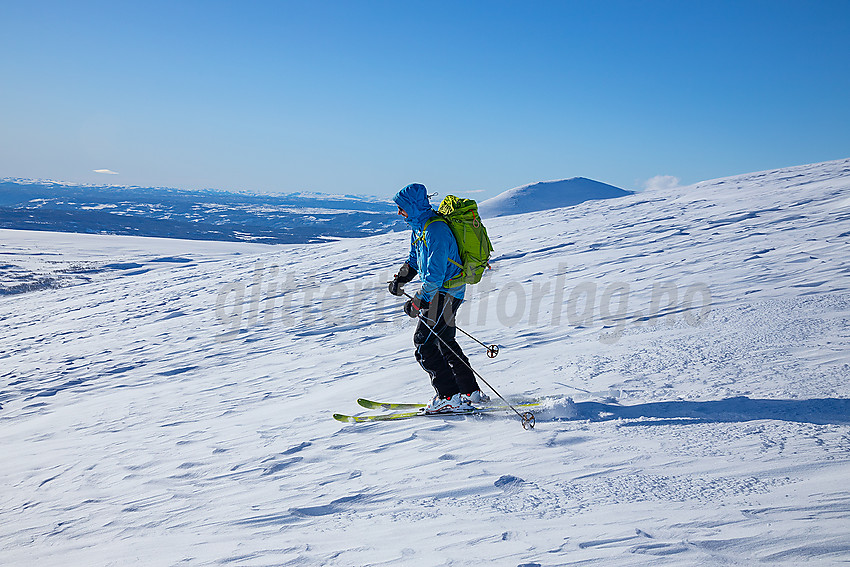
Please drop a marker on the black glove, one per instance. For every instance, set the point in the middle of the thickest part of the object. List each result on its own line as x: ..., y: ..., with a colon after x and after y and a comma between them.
x: 404, y: 275
x: 413, y: 306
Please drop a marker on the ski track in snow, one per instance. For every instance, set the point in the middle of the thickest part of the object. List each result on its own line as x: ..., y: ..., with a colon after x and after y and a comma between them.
x: 148, y: 421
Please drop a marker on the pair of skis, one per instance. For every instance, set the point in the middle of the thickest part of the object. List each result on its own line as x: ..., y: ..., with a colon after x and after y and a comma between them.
x: 407, y: 411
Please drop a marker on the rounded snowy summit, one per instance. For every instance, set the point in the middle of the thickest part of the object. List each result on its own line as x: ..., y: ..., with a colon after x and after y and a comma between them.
x: 545, y: 195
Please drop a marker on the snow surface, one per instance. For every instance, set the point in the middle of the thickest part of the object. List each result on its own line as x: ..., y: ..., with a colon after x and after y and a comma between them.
x: 175, y: 408
x: 546, y: 195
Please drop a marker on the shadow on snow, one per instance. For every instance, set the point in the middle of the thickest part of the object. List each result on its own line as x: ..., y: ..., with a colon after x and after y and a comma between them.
x: 818, y: 411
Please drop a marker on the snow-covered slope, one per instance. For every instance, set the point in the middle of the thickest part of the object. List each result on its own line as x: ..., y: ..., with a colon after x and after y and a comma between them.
x: 546, y: 195
x: 178, y: 411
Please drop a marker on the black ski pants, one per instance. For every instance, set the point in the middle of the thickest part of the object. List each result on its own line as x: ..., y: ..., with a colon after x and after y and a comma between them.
x: 438, y: 352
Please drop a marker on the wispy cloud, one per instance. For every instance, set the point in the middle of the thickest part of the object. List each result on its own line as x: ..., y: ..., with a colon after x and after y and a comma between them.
x: 106, y: 171
x: 661, y: 182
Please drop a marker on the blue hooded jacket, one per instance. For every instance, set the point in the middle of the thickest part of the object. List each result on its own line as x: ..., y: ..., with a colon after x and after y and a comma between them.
x: 429, y: 255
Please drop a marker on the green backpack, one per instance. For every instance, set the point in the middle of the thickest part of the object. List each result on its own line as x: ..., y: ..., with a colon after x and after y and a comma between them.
x: 472, y: 241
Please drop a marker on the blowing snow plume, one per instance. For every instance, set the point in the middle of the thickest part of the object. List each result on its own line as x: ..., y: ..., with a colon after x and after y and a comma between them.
x: 545, y: 195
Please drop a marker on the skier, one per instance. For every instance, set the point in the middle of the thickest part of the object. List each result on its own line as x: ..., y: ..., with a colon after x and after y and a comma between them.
x: 435, y: 258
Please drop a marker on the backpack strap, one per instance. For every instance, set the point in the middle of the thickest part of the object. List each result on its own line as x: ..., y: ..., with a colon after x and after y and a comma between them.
x: 427, y: 224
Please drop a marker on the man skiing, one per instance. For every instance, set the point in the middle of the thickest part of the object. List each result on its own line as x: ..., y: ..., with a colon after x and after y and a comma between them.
x: 435, y: 258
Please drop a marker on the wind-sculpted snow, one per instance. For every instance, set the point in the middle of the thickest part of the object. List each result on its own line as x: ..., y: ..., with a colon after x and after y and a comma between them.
x: 169, y: 401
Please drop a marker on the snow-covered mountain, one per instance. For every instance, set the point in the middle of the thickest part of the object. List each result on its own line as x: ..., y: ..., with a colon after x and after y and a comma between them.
x: 546, y: 195
x: 690, y: 346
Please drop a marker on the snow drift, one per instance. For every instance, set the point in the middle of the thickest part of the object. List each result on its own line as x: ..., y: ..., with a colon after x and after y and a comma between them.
x: 546, y: 195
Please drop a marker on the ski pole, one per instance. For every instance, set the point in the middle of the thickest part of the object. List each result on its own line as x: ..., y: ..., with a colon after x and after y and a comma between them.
x: 527, y: 418
x: 492, y: 350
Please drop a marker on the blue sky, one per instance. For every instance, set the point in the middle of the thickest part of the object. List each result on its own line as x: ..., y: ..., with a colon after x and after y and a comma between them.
x: 365, y: 97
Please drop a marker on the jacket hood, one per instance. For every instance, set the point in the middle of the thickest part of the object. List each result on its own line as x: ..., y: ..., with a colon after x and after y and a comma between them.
x: 414, y: 200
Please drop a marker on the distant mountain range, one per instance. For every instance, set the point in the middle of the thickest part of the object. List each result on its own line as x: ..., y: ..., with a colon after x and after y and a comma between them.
x: 243, y: 217
x: 194, y: 215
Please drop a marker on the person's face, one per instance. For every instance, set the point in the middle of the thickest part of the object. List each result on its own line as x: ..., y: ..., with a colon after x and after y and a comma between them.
x: 402, y: 212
